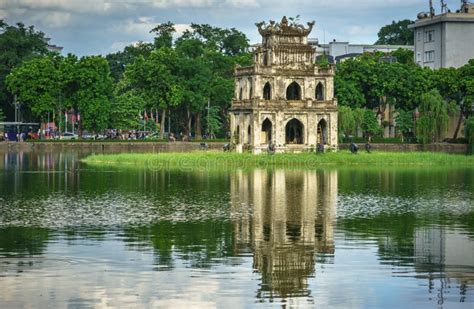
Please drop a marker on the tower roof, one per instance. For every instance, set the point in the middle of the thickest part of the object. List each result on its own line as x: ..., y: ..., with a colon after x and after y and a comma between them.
x: 284, y: 28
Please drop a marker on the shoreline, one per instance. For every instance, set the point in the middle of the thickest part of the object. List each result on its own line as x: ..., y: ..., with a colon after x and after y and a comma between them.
x: 212, y: 160
x: 185, y: 147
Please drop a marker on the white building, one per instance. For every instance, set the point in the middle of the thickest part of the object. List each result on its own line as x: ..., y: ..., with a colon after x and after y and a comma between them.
x: 445, y: 40
x: 339, y: 51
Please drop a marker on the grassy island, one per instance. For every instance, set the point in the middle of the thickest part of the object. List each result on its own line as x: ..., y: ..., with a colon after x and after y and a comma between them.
x: 213, y: 160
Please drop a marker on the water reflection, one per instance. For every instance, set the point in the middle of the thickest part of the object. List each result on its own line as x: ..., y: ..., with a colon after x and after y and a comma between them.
x: 347, y: 237
x: 290, y: 222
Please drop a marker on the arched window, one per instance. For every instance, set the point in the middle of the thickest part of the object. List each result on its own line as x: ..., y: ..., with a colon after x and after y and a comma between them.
x: 266, y: 136
x: 250, y: 88
x: 320, y: 92
x: 293, y: 92
x: 241, y: 93
x: 322, y: 137
x: 267, y: 91
x: 265, y: 58
x: 237, y: 135
x: 249, y: 135
x: 294, y: 132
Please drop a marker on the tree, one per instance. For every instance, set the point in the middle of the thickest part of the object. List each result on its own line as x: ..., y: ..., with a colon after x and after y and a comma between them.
x: 359, y: 114
x: 164, y: 35
x: 195, y: 75
x: 404, y: 56
x: 213, y: 121
x: 370, y: 125
x: 404, y: 121
x: 469, y: 132
x: 466, y: 105
x: 346, y: 124
x: 93, y: 94
x: 154, y: 80
x: 119, y: 60
x: 396, y: 33
x: 126, y: 111
x: 2, y: 115
x: 434, y: 117
x: 348, y: 93
x: 17, y: 44
x: 37, y: 84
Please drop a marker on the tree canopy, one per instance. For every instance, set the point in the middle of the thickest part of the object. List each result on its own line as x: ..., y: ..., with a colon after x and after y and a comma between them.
x: 396, y: 33
x: 17, y: 44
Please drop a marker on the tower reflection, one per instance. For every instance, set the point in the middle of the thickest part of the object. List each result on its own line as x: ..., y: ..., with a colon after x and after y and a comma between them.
x: 289, y: 221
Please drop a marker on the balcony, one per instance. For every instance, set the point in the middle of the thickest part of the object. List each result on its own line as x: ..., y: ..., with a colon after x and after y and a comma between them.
x: 282, y: 104
x: 258, y: 69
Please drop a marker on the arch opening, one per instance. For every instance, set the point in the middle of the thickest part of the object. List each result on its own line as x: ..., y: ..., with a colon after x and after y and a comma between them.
x: 320, y: 92
x: 267, y: 91
x: 294, y: 132
x: 250, y: 88
x: 241, y: 93
x: 237, y: 135
x: 249, y: 134
x: 293, y: 92
x: 322, y: 136
x: 266, y: 134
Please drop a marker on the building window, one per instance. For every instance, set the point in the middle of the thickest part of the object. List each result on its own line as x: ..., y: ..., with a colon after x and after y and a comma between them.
x: 320, y: 92
x: 250, y: 89
x: 429, y: 36
x: 265, y: 58
x: 267, y: 91
x: 418, y: 36
x: 429, y: 56
x: 418, y: 57
x: 293, y: 92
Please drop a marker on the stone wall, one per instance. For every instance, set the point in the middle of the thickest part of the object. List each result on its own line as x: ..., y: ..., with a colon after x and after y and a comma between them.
x: 117, y: 147
x: 441, y: 147
x: 106, y: 147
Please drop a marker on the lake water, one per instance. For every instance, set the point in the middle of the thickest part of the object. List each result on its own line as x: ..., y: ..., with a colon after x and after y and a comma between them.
x: 73, y: 235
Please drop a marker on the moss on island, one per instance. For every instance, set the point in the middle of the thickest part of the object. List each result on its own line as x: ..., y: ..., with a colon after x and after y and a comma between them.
x: 219, y: 160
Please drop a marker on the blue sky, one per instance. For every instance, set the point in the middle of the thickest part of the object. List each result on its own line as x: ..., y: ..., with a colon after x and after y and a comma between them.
x: 87, y: 27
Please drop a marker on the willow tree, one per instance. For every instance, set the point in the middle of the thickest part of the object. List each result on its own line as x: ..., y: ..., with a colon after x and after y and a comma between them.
x: 404, y: 122
x: 346, y: 121
x: 469, y: 132
x: 433, y: 121
x: 370, y: 125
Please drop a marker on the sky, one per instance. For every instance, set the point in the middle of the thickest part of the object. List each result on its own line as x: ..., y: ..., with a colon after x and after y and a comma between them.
x: 90, y: 27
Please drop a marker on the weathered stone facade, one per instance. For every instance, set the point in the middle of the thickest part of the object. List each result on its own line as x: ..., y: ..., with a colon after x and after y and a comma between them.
x: 284, y: 98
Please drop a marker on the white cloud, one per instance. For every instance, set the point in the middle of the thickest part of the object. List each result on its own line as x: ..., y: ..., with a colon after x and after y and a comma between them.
x: 52, y: 19
x: 116, y: 46
x: 141, y: 26
x: 362, y: 30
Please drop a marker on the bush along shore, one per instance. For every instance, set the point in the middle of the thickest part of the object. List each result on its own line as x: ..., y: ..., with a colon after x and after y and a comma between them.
x: 200, y: 160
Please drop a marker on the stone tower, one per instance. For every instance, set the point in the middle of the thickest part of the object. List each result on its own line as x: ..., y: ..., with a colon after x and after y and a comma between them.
x: 284, y: 98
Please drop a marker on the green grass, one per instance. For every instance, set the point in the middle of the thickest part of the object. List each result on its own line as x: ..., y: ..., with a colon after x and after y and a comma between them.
x: 219, y: 160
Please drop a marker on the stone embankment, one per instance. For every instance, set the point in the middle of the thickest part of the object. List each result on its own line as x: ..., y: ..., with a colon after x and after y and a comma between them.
x: 131, y: 147
x: 107, y: 147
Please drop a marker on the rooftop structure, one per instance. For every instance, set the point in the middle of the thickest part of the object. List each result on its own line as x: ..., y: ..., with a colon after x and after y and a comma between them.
x: 51, y: 47
x: 444, y: 40
x: 339, y: 51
